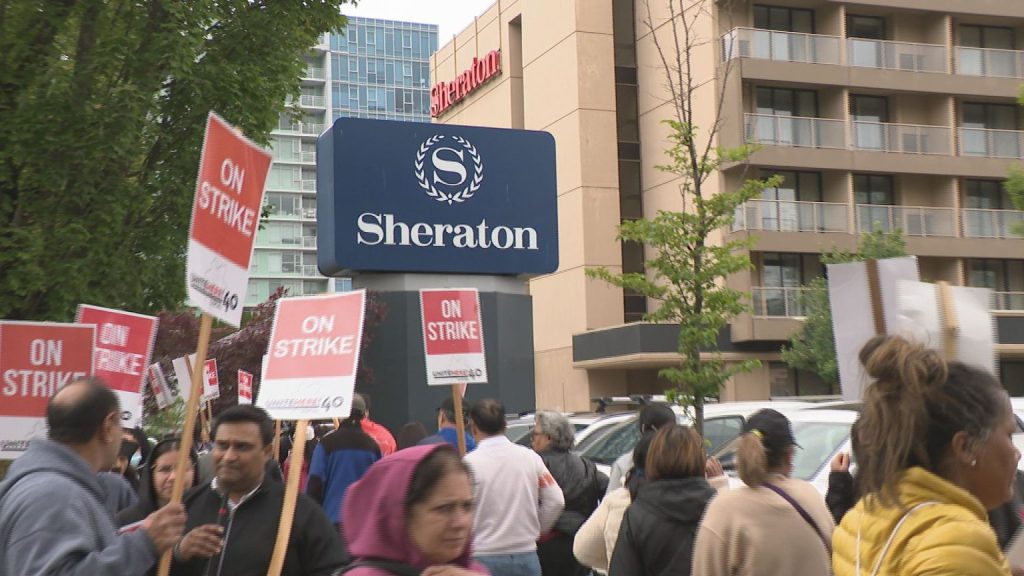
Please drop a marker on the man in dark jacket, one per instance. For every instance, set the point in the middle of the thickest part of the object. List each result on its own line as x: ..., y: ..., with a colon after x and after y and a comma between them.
x: 52, y: 516
x: 581, y: 483
x: 233, y: 520
x: 341, y: 458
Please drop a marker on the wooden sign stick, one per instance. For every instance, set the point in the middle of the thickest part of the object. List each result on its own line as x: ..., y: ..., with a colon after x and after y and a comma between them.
x: 950, y: 322
x: 277, y: 440
x: 204, y: 424
x: 460, y: 424
x: 337, y: 424
x: 187, y: 436
x: 875, y: 291
x: 291, y: 494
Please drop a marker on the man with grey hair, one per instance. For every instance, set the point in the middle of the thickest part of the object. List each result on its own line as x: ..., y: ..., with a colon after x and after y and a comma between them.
x: 581, y: 483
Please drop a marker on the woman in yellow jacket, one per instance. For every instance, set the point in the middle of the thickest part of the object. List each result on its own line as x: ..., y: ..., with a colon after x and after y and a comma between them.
x: 934, y: 452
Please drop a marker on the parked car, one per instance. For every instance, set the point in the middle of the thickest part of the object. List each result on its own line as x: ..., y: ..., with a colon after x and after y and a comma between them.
x: 722, y: 423
x: 585, y: 424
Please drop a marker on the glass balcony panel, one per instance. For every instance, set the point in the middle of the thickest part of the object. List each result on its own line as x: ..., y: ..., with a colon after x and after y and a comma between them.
x: 888, y: 55
x: 989, y: 62
x: 795, y: 131
x: 979, y: 223
x: 778, y: 45
x: 992, y: 143
x: 791, y: 216
x: 912, y: 220
x: 901, y: 138
x: 778, y: 302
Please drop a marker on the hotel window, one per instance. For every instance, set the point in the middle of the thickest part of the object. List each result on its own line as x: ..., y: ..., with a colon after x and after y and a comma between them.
x: 784, y: 19
x: 873, y: 195
x: 990, y: 130
x: 782, y: 212
x: 781, y: 104
x: 786, y: 381
x: 783, y: 277
x: 869, y: 114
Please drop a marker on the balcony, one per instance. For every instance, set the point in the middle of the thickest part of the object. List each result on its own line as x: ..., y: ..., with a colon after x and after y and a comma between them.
x: 309, y: 241
x: 887, y: 55
x: 1008, y: 301
x: 791, y: 216
x: 309, y: 213
x: 795, y: 131
x: 987, y: 143
x: 308, y: 185
x: 311, y: 101
x: 778, y: 302
x: 314, y: 73
x: 989, y: 62
x: 309, y: 157
x: 901, y: 138
x: 311, y: 128
x: 783, y: 46
x: 912, y: 220
x: 991, y: 223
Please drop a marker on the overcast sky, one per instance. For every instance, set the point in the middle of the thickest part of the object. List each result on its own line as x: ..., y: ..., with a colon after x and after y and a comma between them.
x: 451, y: 16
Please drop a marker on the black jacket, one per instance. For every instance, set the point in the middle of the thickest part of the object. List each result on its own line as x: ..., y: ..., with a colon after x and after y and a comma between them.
x: 582, y: 484
x: 841, y: 494
x: 147, y: 503
x: 659, y: 528
x: 251, y: 531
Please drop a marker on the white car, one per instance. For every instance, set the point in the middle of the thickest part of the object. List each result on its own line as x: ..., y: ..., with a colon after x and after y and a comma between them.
x: 821, y: 434
x: 722, y: 423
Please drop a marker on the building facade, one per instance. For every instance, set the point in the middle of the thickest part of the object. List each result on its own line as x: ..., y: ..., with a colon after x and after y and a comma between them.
x: 372, y: 69
x: 891, y: 114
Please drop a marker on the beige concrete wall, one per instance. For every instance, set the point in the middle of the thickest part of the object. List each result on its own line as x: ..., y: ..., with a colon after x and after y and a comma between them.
x: 567, y: 89
x: 922, y: 190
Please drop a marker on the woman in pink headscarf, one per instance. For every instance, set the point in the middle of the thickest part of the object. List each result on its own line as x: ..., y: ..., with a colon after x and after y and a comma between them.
x: 412, y: 513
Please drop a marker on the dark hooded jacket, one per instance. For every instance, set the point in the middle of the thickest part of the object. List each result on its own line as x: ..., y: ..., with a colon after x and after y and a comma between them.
x: 582, y: 484
x: 374, y: 515
x: 147, y: 503
x: 659, y: 528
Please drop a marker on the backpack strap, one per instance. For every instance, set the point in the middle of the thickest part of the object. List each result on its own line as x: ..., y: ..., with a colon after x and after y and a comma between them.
x: 803, y: 514
x: 396, y: 568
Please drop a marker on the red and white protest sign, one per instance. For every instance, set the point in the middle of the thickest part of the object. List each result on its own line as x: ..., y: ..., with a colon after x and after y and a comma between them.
x: 312, y: 357
x: 36, y: 360
x: 158, y: 386
x: 211, y: 383
x: 453, y: 336
x: 244, y: 387
x: 124, y: 341
x: 225, y: 217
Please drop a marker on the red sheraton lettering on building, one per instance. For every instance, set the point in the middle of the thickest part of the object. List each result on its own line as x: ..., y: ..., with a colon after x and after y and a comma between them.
x: 444, y: 95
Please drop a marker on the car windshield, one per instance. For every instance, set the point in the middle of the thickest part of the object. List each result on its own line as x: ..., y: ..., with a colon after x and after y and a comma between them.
x: 618, y: 440
x: 516, y: 433
x: 818, y: 442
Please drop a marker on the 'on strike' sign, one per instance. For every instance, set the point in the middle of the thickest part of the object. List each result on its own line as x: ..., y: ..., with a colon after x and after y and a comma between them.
x: 36, y: 360
x: 244, y: 387
x: 124, y: 341
x: 312, y: 357
x: 453, y: 336
x: 225, y: 217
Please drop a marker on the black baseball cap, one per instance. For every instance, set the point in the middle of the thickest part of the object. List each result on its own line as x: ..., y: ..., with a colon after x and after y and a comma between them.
x: 774, y: 429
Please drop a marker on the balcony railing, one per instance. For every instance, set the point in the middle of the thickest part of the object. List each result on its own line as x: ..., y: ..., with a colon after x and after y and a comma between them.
x: 307, y: 156
x: 785, y: 46
x: 992, y: 143
x: 901, y: 138
x: 314, y: 73
x: 310, y: 270
x: 308, y: 185
x: 989, y: 62
x: 311, y: 100
x: 778, y: 302
x: 791, y: 216
x: 887, y: 55
x: 795, y: 131
x: 309, y: 213
x: 1008, y: 301
x: 311, y: 128
x: 980, y: 223
x: 912, y: 220
x: 309, y: 241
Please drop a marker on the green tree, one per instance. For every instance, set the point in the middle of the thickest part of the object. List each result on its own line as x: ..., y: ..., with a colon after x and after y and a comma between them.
x: 813, y: 347
x: 102, y: 111
x: 685, y: 271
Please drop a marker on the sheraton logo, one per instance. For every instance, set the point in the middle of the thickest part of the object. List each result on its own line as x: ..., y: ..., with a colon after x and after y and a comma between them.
x: 444, y: 95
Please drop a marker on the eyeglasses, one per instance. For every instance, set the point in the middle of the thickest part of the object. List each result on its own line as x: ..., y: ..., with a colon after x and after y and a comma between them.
x: 534, y: 434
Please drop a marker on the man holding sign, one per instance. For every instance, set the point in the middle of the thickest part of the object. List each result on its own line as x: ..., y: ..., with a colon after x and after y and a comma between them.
x: 233, y: 520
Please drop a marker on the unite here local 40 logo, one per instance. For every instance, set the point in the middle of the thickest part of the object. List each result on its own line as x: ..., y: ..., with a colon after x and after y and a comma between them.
x: 448, y: 178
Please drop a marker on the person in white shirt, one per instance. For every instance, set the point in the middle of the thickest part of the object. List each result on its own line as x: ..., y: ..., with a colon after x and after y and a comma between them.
x: 516, y: 497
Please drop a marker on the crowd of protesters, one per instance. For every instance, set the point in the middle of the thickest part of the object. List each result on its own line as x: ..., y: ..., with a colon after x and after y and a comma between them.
x: 934, y: 491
